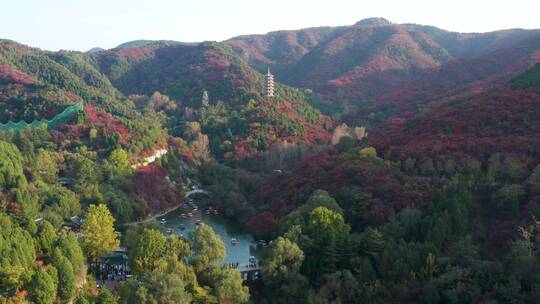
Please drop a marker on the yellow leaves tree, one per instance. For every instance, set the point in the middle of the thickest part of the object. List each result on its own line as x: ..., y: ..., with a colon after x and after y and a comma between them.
x: 200, y: 150
x: 368, y: 152
x: 99, y: 235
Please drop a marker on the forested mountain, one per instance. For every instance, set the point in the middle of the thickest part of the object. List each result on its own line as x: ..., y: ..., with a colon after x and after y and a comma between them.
x: 395, y: 163
x: 362, y: 60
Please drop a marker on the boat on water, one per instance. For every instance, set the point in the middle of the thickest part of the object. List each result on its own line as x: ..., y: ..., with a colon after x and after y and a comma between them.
x: 183, y: 215
x: 234, y: 241
x: 199, y: 222
x: 163, y: 221
x: 170, y: 230
x: 190, y: 214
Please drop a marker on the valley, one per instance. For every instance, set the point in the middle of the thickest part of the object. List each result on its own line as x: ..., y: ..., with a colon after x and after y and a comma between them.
x: 376, y: 162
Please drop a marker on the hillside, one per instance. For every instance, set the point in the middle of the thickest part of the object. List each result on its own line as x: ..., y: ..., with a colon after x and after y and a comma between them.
x: 430, y: 194
x: 361, y: 61
x: 36, y: 85
x: 179, y: 71
x: 459, y: 181
x: 184, y: 72
x: 459, y: 77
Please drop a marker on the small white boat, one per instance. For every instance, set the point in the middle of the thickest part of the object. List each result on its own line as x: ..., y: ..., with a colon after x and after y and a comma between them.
x: 234, y: 241
x: 163, y: 221
x: 199, y: 222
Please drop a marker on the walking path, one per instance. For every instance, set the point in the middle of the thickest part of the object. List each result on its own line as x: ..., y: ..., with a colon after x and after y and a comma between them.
x: 151, y: 218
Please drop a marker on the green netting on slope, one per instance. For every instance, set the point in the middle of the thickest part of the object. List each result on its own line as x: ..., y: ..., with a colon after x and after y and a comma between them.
x: 52, y: 123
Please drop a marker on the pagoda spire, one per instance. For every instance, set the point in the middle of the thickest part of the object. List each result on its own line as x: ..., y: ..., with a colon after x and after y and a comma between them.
x: 269, y: 84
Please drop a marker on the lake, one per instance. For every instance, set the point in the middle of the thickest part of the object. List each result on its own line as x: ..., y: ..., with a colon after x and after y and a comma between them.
x: 238, y: 253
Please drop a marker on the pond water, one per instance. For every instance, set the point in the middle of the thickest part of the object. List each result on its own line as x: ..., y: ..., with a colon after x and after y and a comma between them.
x: 236, y: 253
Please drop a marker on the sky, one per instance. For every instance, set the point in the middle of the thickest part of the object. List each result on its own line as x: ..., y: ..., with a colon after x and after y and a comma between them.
x: 84, y: 24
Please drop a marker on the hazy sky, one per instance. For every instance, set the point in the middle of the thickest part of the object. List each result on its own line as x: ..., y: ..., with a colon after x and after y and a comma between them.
x: 83, y: 24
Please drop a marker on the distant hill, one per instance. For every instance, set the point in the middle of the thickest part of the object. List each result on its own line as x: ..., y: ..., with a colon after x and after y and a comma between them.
x: 95, y: 50
x: 459, y: 77
x: 72, y: 73
x: 185, y: 71
x: 499, y: 119
x: 147, y: 43
x: 361, y: 61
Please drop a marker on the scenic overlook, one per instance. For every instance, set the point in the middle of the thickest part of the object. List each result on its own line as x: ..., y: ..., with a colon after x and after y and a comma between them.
x: 269, y: 152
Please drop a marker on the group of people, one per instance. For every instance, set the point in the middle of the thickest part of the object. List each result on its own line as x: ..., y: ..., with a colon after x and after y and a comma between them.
x: 114, y: 273
x: 252, y: 264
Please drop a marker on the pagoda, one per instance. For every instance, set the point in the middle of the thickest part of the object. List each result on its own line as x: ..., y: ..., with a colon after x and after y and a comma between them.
x: 269, y: 84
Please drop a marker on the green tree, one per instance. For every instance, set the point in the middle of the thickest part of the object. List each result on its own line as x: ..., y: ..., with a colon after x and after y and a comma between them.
x: 282, y: 258
x: 44, y: 167
x: 46, y: 237
x: 116, y: 167
x: 11, y: 278
x: 86, y: 176
x: 156, y: 287
x: 178, y: 247
x: 523, y: 259
x: 58, y: 200
x: 11, y: 171
x: 43, y: 287
x: 66, y: 280
x: 338, y: 287
x: 325, y: 225
x: 17, y: 255
x: 119, y: 203
x: 106, y: 297
x: 372, y: 242
x: 99, y: 234
x: 149, y: 250
x: 317, y: 199
x: 208, y: 248
x: 229, y: 288
x: 281, y: 271
x: 68, y: 243
x: 507, y: 198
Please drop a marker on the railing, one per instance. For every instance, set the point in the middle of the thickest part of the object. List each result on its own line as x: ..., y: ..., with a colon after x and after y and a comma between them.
x: 52, y: 123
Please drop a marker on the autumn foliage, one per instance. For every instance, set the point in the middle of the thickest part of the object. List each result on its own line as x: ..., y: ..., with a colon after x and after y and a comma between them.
x: 149, y: 184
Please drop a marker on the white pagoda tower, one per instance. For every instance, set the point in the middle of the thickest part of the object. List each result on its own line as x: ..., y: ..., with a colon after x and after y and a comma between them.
x: 269, y: 84
x: 205, y: 101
